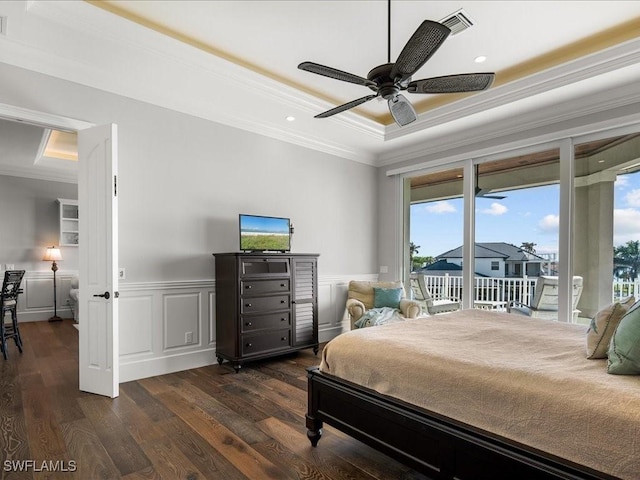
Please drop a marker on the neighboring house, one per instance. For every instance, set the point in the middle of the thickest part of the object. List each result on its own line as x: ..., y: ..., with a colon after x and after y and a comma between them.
x: 499, y: 259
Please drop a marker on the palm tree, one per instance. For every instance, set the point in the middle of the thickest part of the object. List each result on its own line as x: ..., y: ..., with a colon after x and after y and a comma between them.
x: 528, y: 247
x: 627, y: 257
x: 413, y: 249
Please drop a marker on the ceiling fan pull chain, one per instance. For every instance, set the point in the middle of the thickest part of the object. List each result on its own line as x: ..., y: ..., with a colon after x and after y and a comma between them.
x: 389, y: 31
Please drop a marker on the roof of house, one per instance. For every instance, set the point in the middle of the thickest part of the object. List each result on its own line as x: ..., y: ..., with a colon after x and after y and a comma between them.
x: 506, y: 251
x: 441, y: 267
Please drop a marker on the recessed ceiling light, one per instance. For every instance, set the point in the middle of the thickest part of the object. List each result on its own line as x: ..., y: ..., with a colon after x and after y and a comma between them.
x: 480, y: 59
x: 290, y: 118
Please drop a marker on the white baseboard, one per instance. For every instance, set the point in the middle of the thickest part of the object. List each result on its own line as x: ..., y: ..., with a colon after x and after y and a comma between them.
x: 150, y: 367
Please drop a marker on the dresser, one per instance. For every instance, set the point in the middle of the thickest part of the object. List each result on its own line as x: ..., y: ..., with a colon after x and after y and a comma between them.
x: 266, y: 305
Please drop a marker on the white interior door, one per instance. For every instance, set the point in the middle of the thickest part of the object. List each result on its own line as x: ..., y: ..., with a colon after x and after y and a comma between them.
x: 98, y: 226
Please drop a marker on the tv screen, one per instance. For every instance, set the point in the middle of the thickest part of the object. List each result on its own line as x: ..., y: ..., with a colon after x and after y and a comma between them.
x: 258, y: 233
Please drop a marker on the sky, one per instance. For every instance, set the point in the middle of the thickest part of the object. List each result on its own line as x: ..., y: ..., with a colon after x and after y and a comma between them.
x: 527, y: 215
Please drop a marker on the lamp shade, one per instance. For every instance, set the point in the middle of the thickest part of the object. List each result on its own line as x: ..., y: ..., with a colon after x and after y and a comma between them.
x: 52, y: 255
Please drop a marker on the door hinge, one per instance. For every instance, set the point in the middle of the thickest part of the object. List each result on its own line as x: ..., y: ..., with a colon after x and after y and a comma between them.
x: 115, y: 185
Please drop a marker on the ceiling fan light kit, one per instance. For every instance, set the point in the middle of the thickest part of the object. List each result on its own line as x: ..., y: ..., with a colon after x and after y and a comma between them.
x: 389, y: 79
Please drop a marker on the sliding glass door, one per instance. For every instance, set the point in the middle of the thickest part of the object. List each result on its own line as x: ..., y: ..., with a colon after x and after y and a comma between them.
x: 568, y: 210
x: 436, y: 231
x: 517, y: 206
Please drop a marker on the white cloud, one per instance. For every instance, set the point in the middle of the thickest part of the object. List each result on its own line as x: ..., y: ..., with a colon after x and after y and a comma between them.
x: 440, y: 207
x: 633, y: 198
x: 621, y: 181
x: 495, y: 209
x: 626, y: 225
x: 550, y: 223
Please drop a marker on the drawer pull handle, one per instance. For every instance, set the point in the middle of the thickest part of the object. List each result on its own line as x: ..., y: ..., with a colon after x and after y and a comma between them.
x: 248, y: 324
x: 247, y: 304
x: 249, y: 345
x: 282, y: 301
x: 284, y: 339
x: 283, y: 285
x: 248, y: 287
x: 282, y: 319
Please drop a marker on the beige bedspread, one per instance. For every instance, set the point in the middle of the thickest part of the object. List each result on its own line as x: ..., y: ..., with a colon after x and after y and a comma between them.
x: 525, y: 379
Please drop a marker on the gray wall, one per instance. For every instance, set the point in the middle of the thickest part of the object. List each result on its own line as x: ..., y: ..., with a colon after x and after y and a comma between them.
x: 184, y: 180
x: 182, y: 183
x: 29, y: 223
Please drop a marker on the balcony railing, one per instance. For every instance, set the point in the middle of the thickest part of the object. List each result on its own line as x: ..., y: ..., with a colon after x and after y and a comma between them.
x: 494, y: 289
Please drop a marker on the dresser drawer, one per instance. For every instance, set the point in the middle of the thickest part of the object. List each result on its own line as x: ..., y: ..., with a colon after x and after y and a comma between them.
x: 269, y: 341
x: 264, y: 304
x: 272, y: 320
x: 264, y: 266
x: 250, y: 287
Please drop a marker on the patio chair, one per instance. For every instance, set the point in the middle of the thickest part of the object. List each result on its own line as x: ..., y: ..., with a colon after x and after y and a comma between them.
x: 545, y: 299
x: 430, y: 303
x: 361, y: 298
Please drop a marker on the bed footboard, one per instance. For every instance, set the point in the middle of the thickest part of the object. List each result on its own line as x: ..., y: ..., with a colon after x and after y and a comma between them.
x: 430, y: 443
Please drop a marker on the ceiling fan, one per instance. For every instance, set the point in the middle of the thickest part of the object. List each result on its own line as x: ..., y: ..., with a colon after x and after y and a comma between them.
x: 389, y: 79
x: 483, y: 193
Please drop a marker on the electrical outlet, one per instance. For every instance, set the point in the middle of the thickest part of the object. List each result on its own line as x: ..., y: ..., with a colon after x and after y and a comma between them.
x: 188, y: 337
x: 121, y: 274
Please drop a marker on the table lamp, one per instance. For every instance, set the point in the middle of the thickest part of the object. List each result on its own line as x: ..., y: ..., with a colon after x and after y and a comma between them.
x: 53, y: 255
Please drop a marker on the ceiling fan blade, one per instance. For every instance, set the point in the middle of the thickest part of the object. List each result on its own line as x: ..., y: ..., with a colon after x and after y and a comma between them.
x: 465, y: 82
x: 420, y: 47
x: 335, y: 73
x: 346, y: 106
x: 485, y: 194
x: 401, y: 110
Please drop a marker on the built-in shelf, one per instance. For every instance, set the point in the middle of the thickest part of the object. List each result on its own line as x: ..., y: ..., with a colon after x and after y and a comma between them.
x: 68, y: 222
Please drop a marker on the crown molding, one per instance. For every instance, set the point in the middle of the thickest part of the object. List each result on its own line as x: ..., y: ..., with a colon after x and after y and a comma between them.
x: 39, y: 174
x: 169, y: 61
x: 218, y: 90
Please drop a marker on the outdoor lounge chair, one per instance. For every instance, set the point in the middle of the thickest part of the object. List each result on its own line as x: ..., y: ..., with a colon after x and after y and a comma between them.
x: 431, y: 304
x: 545, y: 299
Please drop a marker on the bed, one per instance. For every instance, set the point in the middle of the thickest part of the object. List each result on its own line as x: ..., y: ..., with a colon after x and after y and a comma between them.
x: 480, y: 394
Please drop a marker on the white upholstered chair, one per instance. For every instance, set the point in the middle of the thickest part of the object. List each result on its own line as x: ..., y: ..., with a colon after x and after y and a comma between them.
x: 545, y: 299
x: 431, y: 304
x: 361, y: 298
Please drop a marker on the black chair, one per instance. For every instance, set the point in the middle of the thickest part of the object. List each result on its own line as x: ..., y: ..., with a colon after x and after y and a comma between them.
x: 9, y: 301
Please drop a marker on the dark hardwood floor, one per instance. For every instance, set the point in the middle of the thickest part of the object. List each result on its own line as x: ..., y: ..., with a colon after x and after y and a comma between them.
x: 206, y: 423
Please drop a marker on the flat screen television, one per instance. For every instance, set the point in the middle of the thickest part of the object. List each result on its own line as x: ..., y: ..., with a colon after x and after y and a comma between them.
x: 264, y: 234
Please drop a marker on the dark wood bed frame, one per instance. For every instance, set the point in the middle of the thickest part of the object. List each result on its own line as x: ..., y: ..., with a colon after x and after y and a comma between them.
x: 432, y: 444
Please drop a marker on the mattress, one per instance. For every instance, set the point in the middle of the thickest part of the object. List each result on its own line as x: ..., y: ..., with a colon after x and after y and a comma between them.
x: 525, y: 379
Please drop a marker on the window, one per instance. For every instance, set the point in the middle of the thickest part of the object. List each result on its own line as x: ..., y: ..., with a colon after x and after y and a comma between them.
x: 522, y: 199
x: 436, y: 226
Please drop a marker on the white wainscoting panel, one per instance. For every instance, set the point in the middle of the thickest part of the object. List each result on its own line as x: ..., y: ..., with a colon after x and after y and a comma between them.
x: 155, y: 316
x: 212, y: 318
x: 35, y: 303
x: 154, y: 319
x: 137, y: 312
x: 182, y: 314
